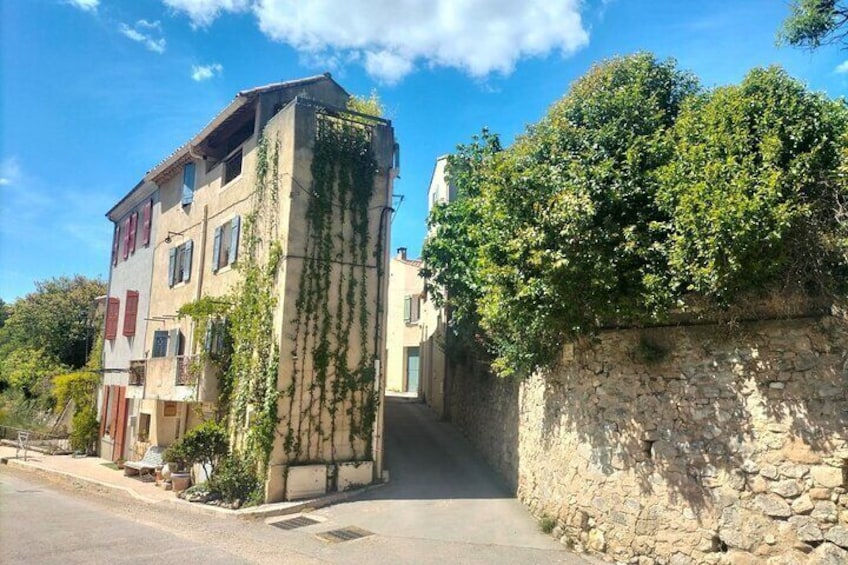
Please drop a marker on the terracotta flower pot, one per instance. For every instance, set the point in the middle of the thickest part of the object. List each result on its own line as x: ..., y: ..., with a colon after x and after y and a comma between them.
x: 180, y: 481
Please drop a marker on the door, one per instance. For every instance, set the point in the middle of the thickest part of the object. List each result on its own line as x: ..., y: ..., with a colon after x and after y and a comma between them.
x: 412, y: 364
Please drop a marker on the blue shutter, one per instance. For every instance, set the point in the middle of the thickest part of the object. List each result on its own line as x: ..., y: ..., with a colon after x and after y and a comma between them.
x: 187, y: 261
x: 172, y: 266
x: 188, y: 183
x: 234, y: 239
x: 216, y: 249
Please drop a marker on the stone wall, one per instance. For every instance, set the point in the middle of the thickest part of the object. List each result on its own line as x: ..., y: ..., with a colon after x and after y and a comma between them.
x: 696, y: 444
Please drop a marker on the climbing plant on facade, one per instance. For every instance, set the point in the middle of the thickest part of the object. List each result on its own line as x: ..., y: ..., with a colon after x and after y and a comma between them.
x: 333, y: 370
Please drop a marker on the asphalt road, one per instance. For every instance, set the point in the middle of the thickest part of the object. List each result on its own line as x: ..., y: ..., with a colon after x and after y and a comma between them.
x: 443, y: 505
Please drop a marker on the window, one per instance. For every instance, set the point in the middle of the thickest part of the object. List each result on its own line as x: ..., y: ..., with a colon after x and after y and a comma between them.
x: 179, y: 264
x: 411, y: 308
x: 188, y: 183
x: 232, y: 167
x: 225, y: 248
x: 130, y: 313
x: 143, y: 426
x: 113, y: 309
x: 217, y: 342
x: 160, y: 343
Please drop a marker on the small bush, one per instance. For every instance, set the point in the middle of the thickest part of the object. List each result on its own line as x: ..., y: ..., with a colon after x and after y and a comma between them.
x: 547, y: 524
x: 84, y: 428
x: 235, y: 479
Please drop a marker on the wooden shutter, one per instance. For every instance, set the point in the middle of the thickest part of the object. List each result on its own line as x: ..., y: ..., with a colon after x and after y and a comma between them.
x: 116, y: 244
x: 172, y: 266
x: 407, y: 309
x: 146, y: 222
x: 126, y: 238
x: 130, y: 313
x: 234, y: 239
x: 188, y: 183
x: 133, y: 227
x: 216, y: 249
x: 187, y: 261
x: 113, y: 308
x: 104, y: 410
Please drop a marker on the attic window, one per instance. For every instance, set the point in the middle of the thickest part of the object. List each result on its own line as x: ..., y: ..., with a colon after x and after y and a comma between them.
x: 232, y: 166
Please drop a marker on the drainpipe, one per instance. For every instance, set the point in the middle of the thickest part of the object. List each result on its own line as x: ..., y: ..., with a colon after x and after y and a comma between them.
x: 379, y: 345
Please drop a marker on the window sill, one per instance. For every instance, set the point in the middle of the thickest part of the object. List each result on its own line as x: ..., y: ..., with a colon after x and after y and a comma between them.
x: 231, y: 183
x: 224, y: 269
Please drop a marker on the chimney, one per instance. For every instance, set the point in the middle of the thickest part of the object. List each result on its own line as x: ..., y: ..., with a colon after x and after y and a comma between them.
x: 402, y: 253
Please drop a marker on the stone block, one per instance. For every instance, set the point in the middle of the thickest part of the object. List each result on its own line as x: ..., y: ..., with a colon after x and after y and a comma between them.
x: 826, y: 476
x: 353, y: 474
x: 806, y: 528
x: 769, y: 472
x: 825, y: 511
x: 794, y: 471
x: 828, y: 554
x: 819, y: 493
x: 802, y: 505
x: 787, y: 489
x: 838, y: 535
x: 306, y: 481
x: 773, y: 505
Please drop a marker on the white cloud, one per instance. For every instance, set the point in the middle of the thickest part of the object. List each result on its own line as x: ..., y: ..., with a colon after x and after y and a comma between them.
x: 155, y: 44
x: 84, y: 5
x: 203, y: 12
x: 205, y: 72
x: 842, y: 67
x: 479, y: 37
x: 386, y: 66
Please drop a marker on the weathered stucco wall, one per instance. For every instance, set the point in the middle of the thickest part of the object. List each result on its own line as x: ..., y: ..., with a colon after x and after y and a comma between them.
x: 403, y: 282
x: 681, y: 445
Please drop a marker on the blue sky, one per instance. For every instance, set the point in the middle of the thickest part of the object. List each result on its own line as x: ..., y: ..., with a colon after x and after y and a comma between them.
x: 95, y: 92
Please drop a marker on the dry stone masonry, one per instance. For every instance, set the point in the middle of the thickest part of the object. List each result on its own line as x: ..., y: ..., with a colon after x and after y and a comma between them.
x: 680, y: 445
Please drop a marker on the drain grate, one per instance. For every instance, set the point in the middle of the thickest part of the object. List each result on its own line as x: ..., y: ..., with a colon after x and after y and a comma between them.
x: 294, y: 523
x: 344, y: 534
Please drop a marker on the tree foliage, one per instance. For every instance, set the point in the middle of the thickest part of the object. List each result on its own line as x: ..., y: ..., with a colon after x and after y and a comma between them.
x: 753, y: 188
x: 813, y: 23
x: 634, y: 192
x: 575, y: 232
x: 452, y: 252
x: 31, y: 372
x: 55, y: 318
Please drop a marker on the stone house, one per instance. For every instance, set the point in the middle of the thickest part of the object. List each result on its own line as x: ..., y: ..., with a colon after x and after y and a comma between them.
x: 434, y: 366
x: 206, y: 194
x: 403, y: 355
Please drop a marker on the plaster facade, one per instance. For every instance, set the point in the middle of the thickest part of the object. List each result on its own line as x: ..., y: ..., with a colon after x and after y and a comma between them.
x: 405, y: 299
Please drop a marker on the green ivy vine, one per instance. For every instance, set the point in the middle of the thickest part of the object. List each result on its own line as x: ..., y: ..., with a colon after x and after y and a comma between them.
x: 336, y: 260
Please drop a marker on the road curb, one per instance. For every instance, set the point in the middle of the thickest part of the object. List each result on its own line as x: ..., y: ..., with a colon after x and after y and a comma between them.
x: 252, y: 513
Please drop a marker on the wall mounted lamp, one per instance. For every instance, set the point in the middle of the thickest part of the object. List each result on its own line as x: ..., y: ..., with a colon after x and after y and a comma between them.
x: 170, y: 233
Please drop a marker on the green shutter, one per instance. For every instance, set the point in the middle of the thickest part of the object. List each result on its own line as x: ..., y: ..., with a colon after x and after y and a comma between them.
x: 216, y: 249
x: 188, y: 183
x: 234, y: 239
x: 187, y: 261
x: 172, y: 266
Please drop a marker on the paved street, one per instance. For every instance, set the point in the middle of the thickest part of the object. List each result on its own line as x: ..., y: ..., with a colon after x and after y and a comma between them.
x: 443, y: 505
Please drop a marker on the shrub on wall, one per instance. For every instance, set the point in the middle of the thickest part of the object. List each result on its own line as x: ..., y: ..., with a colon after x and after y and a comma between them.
x: 637, y: 191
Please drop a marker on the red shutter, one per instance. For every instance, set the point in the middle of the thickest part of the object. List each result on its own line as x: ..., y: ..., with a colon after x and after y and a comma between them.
x: 113, y: 308
x: 126, y: 238
x: 119, y: 428
x: 133, y: 226
x: 130, y: 313
x: 116, y: 244
x: 146, y: 218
